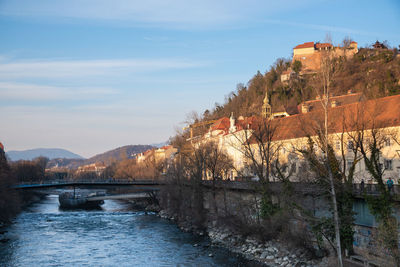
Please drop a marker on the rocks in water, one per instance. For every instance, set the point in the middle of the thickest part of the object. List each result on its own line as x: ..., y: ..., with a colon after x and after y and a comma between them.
x: 273, y: 252
x: 264, y: 255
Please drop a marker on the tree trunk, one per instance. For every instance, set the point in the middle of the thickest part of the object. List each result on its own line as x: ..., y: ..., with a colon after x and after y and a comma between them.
x: 335, y: 218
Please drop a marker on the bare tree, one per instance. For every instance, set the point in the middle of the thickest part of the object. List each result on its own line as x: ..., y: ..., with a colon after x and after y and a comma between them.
x: 218, y: 164
x: 370, y: 137
x: 259, y: 149
x: 325, y: 77
x: 347, y: 41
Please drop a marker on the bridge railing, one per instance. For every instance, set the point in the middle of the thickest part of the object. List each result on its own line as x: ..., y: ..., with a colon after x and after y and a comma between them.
x: 105, y: 181
x: 358, y: 189
x: 372, y: 189
x: 62, y: 183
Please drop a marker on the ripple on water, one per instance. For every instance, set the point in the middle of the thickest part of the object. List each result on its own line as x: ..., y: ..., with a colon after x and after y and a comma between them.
x: 44, y: 235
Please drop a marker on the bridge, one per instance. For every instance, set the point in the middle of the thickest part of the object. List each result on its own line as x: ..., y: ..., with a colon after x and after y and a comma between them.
x: 98, y: 183
x: 154, y: 185
x: 143, y: 189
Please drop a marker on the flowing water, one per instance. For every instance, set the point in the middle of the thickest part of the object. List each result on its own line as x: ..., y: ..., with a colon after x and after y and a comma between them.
x: 44, y: 235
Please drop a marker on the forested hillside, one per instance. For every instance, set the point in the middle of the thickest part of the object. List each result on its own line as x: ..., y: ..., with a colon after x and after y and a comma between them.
x: 374, y: 72
x: 118, y: 154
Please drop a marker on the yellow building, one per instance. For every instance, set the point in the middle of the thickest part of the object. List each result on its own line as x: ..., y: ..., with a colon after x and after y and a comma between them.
x: 309, y: 53
x: 347, y: 115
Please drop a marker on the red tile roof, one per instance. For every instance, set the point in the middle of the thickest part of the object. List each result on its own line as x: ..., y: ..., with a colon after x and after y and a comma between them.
x: 322, y: 45
x: 289, y: 71
x: 341, y: 100
x: 221, y: 124
x: 377, y: 113
x: 305, y: 45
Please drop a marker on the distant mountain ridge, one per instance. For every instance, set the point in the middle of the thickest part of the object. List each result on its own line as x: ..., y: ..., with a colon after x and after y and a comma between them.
x: 51, y: 153
x: 120, y: 153
x: 66, y: 159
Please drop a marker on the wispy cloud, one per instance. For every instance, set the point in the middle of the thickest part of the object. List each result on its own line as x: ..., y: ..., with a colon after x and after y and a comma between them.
x: 34, y: 92
x: 326, y: 28
x: 151, y: 11
x: 160, y: 13
x: 69, y: 68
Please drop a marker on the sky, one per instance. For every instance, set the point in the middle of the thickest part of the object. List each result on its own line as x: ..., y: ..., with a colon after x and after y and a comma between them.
x: 94, y: 75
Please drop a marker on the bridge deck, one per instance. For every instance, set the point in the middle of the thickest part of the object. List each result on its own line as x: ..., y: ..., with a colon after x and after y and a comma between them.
x: 89, y: 183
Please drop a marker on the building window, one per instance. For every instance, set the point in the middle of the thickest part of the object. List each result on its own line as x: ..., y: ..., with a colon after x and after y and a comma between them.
x: 284, y: 168
x: 388, y: 164
x: 349, y: 163
x: 387, y: 141
x: 315, y: 146
x: 338, y: 146
x: 350, y: 145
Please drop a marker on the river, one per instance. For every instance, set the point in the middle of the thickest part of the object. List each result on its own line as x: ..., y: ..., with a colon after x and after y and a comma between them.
x: 44, y: 235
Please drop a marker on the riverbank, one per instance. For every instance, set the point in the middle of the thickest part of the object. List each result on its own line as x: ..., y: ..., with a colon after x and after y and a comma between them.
x: 270, y: 253
x: 231, y: 219
x: 24, y: 202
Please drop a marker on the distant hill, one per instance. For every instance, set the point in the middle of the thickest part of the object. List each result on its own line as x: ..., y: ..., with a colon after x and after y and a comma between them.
x: 120, y: 153
x: 158, y: 145
x: 51, y: 153
x: 70, y: 160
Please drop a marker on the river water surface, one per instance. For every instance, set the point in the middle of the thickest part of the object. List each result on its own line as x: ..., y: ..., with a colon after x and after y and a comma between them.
x: 44, y: 235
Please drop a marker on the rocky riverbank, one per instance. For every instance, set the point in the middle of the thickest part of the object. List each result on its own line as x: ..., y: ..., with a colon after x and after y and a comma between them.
x: 270, y: 253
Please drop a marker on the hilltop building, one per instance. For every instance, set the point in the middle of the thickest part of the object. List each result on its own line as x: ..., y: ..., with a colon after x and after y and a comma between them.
x: 379, y: 45
x: 287, y: 75
x: 310, y: 53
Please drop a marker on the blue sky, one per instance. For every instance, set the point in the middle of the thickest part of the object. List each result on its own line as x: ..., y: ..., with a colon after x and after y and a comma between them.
x: 92, y: 75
